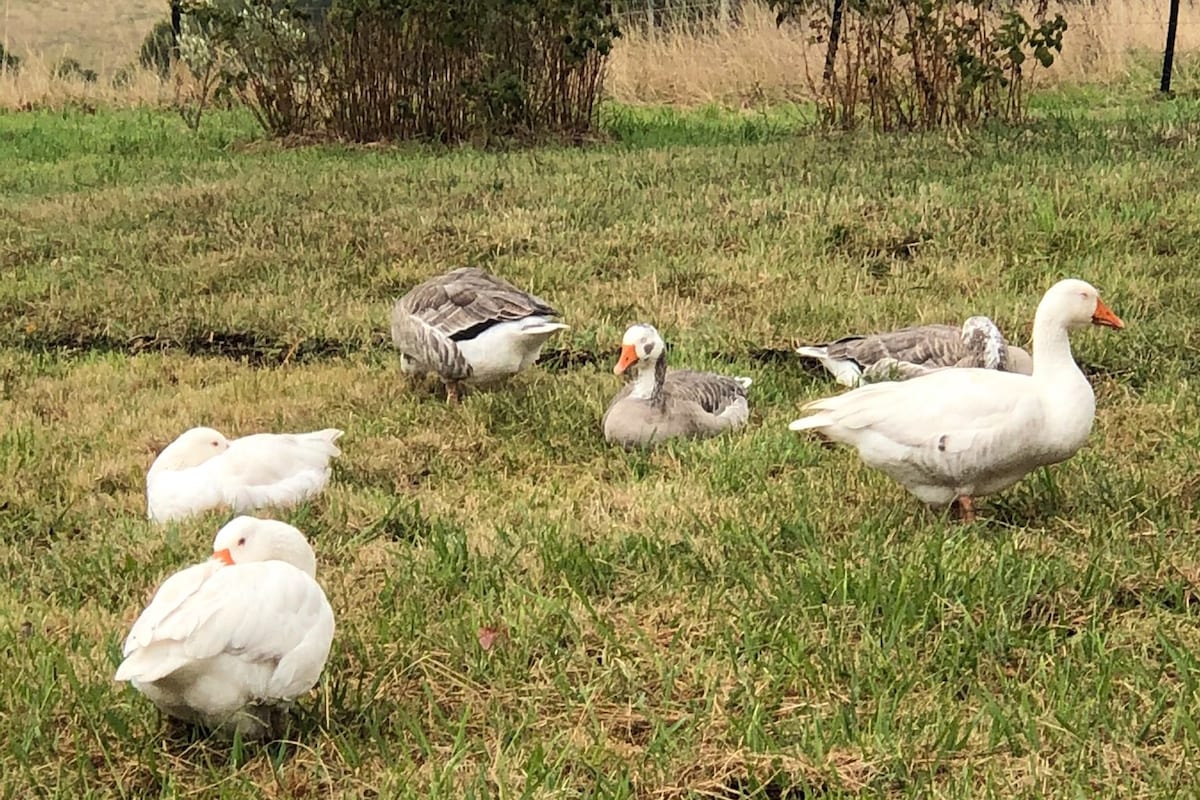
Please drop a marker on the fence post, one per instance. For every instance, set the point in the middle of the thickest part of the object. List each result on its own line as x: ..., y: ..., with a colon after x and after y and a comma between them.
x: 650, y: 18
x: 723, y: 13
x: 1169, y: 50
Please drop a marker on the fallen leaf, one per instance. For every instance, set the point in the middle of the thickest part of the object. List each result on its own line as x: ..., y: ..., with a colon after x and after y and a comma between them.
x: 490, y: 636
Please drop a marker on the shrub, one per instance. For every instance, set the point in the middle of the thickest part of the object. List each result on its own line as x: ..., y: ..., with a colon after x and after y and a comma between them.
x: 366, y: 70
x: 69, y: 69
x: 8, y: 61
x: 158, y: 48
x: 921, y: 64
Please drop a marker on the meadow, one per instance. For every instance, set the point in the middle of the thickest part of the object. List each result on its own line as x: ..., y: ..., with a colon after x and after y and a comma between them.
x: 751, y: 616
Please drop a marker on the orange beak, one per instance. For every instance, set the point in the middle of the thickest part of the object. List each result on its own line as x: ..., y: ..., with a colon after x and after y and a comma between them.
x: 1104, y: 316
x: 224, y: 556
x: 627, y: 360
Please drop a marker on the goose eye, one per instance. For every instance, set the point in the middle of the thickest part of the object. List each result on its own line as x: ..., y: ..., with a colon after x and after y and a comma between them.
x: 216, y: 444
x: 646, y: 348
x: 241, y: 541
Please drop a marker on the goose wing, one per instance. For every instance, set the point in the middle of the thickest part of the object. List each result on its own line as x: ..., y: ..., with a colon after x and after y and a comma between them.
x: 462, y: 303
x: 262, y: 612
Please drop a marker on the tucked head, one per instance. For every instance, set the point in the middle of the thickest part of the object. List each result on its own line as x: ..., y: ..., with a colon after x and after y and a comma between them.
x: 1076, y: 303
x: 640, y: 343
x: 245, y: 540
x: 191, y: 449
x: 980, y: 335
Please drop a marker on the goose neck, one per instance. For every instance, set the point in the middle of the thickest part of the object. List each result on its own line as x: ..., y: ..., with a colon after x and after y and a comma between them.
x: 1051, y: 348
x: 648, y: 383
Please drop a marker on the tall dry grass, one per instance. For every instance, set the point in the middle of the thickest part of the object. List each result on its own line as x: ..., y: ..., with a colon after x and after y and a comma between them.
x: 35, y: 85
x: 752, y: 64
x: 759, y: 61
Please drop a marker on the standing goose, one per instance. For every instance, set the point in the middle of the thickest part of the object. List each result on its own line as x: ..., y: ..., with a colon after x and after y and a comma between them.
x: 230, y: 642
x: 469, y: 326
x: 660, y: 404
x: 202, y: 470
x: 917, y: 350
x: 956, y: 434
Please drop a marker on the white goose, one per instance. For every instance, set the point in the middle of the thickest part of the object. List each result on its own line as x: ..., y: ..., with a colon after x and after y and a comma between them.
x: 230, y: 642
x: 662, y: 404
x: 202, y: 470
x: 953, y: 435
x: 470, y: 327
x: 917, y: 350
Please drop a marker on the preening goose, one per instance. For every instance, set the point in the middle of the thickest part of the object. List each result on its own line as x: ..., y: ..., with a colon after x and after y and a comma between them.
x: 202, y: 470
x: 917, y: 350
x: 230, y: 642
x: 660, y: 403
x: 469, y: 326
x: 957, y: 434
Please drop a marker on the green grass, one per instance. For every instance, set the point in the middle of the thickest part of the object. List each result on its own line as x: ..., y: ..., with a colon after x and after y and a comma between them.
x: 749, y: 616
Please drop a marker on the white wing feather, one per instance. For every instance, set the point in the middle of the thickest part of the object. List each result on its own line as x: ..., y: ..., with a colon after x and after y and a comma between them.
x: 268, y: 612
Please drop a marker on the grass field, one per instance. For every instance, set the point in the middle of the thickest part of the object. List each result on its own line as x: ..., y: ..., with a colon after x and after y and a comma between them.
x: 754, y: 616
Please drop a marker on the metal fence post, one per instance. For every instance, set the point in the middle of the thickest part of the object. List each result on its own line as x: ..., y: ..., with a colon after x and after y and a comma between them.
x: 1169, y: 50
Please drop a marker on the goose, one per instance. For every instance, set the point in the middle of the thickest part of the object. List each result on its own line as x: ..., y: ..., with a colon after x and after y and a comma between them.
x: 660, y: 404
x: 230, y: 642
x: 470, y: 327
x: 917, y: 350
x: 956, y: 434
x: 202, y: 470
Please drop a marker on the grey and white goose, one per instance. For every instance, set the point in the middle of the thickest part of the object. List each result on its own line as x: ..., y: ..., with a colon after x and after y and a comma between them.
x: 470, y: 327
x: 660, y: 404
x: 917, y: 350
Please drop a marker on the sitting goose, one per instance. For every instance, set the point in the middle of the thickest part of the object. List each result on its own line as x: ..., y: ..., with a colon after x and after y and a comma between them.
x: 230, y: 642
x: 917, y: 350
x: 659, y: 404
x: 202, y: 470
x: 955, y: 434
x: 469, y: 326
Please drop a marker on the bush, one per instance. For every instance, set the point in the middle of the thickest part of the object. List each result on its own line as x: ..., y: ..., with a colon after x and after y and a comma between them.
x: 8, y: 61
x: 69, y: 69
x: 366, y: 70
x: 158, y: 48
x: 921, y: 64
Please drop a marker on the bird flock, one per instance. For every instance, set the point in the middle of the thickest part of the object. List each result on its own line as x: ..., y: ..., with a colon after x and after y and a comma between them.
x: 950, y: 413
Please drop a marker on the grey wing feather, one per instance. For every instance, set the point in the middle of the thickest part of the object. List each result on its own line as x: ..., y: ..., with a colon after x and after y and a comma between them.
x: 466, y: 299
x: 429, y: 348
x: 714, y: 393
x: 933, y: 345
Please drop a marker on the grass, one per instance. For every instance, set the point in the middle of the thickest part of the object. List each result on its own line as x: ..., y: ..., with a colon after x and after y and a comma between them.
x: 753, y: 616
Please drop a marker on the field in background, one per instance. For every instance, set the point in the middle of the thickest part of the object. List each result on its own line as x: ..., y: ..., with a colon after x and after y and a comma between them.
x: 748, y: 66
x: 726, y: 618
x: 103, y: 34
x: 760, y: 62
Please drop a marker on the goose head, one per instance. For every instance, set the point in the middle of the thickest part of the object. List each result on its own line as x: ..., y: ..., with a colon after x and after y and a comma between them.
x: 641, y: 344
x: 191, y: 449
x: 245, y: 540
x: 1073, y: 303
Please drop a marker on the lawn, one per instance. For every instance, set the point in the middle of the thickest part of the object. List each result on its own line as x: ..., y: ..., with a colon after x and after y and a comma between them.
x: 752, y: 616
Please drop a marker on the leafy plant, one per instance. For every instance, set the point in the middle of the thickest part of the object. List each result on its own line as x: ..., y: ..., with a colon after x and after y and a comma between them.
x: 921, y: 64
x: 261, y: 51
x: 379, y: 69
